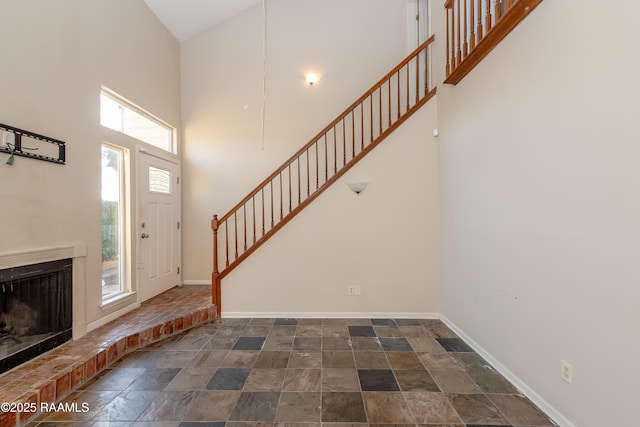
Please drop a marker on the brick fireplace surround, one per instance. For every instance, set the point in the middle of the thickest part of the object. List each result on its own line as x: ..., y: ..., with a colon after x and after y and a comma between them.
x: 53, y: 375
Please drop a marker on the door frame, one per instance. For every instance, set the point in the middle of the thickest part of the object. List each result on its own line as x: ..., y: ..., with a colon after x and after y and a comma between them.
x: 142, y: 151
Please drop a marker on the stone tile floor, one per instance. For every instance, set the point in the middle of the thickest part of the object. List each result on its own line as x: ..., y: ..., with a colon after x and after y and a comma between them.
x: 302, y: 373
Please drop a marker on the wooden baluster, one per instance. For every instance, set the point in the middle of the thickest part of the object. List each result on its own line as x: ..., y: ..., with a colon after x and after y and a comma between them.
x: 317, y: 167
x: 299, y: 182
x: 406, y: 87
x: 371, y: 114
x: 389, y: 100
x: 362, y: 125
x: 244, y: 221
x: 272, y: 208
x: 308, y: 173
x: 235, y: 232
x: 426, y: 71
x: 353, y: 134
x: 498, y: 10
x: 335, y: 152
x: 379, y: 90
x: 326, y: 159
x: 459, y: 37
x: 289, y: 169
x: 448, y: 34
x: 344, y: 144
x: 465, y: 29
x: 509, y: 4
x: 453, y: 38
x: 398, y: 94
x: 262, y: 193
x: 488, y: 17
x: 281, y: 195
x: 253, y: 206
x: 472, y: 24
x: 417, y: 61
x: 479, y: 34
x: 226, y: 241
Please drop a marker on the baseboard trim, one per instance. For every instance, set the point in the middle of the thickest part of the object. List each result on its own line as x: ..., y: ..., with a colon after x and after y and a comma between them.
x: 545, y: 406
x: 196, y: 282
x: 328, y: 315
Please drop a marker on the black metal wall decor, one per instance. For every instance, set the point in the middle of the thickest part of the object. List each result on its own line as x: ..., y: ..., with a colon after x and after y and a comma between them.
x: 28, y: 144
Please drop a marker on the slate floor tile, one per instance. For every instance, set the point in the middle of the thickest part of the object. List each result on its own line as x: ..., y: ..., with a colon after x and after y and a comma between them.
x: 258, y: 406
x: 454, y: 345
x: 168, y: 406
x: 395, y: 344
x: 477, y: 409
x: 340, y: 379
x: 154, y: 379
x: 386, y: 408
x: 415, y: 380
x: 302, y: 380
x: 212, y: 406
x: 383, y: 322
x: 228, y: 379
x: 343, y: 407
x: 299, y: 407
x: 431, y: 408
x: 272, y: 359
x: 362, y: 331
x: 249, y: 343
x: 377, y: 380
x: 282, y: 321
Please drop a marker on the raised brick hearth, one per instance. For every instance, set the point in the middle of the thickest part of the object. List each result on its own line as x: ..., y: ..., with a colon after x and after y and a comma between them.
x: 58, y: 372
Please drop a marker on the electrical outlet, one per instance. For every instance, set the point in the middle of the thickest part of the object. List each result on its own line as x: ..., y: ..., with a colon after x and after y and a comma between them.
x: 7, y: 138
x: 354, y: 290
x: 567, y: 372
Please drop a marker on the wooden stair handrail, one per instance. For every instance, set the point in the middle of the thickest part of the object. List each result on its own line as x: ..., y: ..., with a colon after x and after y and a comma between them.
x: 327, y: 128
x: 414, y: 100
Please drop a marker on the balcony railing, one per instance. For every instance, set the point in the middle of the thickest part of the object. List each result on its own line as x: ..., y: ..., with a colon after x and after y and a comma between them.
x: 475, y: 27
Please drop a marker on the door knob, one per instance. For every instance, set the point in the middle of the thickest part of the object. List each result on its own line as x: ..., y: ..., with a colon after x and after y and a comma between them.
x: 144, y: 235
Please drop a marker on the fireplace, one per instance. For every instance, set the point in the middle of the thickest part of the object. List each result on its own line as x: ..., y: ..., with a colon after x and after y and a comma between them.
x: 35, y: 310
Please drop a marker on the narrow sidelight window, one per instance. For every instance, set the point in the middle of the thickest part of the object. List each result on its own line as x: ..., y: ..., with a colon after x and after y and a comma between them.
x: 113, y: 221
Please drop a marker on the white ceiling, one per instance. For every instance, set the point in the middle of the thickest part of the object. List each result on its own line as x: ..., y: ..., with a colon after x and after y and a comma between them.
x: 186, y: 18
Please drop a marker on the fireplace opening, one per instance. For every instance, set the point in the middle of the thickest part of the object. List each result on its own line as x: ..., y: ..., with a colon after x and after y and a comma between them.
x: 35, y: 310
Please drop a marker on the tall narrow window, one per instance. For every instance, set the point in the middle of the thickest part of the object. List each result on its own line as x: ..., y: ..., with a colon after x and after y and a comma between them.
x: 113, y: 221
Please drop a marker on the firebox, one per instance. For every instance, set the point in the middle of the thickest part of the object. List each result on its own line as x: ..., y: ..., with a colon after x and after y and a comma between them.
x: 35, y: 310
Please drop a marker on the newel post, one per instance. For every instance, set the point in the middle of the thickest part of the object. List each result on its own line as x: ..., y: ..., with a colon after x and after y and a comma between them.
x: 215, y: 280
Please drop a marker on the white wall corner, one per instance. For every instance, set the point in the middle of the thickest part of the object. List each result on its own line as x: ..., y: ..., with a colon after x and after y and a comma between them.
x: 538, y: 400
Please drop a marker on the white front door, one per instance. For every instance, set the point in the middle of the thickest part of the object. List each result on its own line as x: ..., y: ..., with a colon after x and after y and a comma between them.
x: 158, y: 224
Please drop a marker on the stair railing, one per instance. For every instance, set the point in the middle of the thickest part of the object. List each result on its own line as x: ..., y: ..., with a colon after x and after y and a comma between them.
x: 475, y: 27
x: 317, y: 165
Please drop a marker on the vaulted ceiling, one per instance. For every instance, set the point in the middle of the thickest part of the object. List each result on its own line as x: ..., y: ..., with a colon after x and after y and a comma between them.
x: 186, y: 18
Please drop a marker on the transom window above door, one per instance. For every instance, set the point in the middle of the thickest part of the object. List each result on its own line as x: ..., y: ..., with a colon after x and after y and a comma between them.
x: 118, y: 114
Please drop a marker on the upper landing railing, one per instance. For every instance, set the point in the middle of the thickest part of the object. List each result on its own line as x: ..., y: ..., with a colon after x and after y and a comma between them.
x: 474, y: 27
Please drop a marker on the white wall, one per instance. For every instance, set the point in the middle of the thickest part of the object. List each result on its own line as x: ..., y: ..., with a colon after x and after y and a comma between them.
x: 351, y: 45
x: 540, y: 207
x: 56, y: 55
x: 384, y: 239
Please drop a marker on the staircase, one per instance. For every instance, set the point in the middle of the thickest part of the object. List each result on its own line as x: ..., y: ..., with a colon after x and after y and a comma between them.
x: 474, y: 28
x: 319, y: 163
